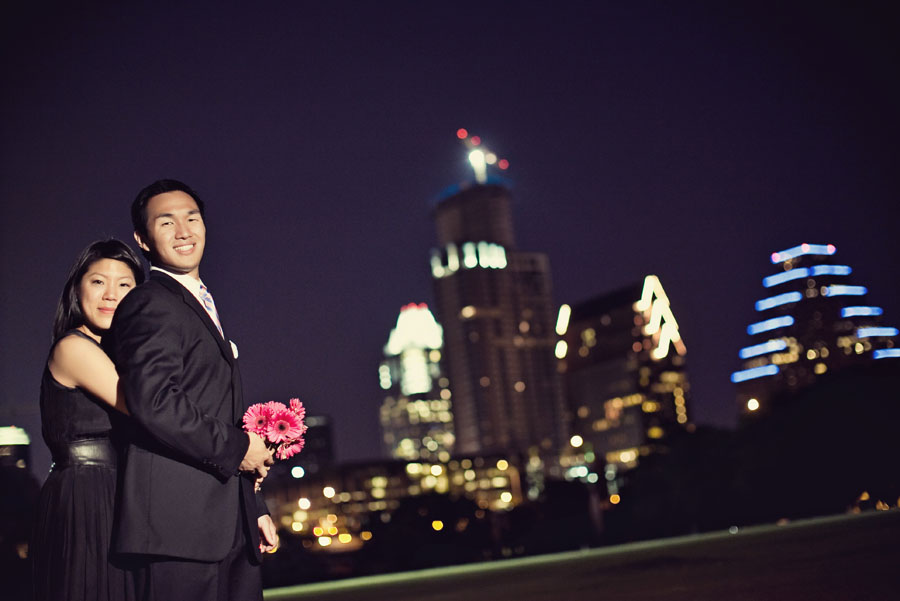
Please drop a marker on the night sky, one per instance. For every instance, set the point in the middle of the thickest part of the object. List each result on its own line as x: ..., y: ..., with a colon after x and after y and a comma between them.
x: 643, y: 137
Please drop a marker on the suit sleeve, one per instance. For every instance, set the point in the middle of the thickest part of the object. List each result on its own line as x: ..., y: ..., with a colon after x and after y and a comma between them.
x: 146, y: 338
x: 261, y: 507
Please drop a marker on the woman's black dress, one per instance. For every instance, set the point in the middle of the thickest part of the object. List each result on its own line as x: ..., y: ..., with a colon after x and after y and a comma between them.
x: 71, y: 541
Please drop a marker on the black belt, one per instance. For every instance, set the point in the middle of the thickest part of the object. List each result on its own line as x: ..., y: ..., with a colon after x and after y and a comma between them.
x: 91, y: 451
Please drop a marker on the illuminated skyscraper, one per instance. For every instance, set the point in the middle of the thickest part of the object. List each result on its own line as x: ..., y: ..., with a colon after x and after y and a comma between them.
x: 495, y: 304
x: 812, y: 320
x: 625, y: 373
x: 416, y: 418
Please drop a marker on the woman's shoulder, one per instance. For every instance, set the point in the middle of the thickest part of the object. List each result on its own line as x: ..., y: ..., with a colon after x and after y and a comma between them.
x: 70, y: 354
x: 78, y: 334
x: 72, y: 344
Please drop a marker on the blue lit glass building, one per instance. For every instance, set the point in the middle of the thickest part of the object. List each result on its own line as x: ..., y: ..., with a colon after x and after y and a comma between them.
x: 812, y: 318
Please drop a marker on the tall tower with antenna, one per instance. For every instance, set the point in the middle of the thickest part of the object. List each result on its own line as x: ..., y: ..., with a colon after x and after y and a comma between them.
x: 495, y: 304
x: 480, y: 157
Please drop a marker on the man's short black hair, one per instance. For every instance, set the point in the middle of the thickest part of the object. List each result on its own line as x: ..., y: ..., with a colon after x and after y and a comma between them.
x: 139, y: 206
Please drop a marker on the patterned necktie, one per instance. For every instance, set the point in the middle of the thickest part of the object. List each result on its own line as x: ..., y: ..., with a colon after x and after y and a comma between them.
x: 210, y: 307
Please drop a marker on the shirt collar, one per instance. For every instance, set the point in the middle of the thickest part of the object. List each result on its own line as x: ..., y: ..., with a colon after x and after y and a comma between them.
x: 191, y: 283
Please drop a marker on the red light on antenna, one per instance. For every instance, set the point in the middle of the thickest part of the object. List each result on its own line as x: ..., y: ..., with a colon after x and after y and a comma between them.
x: 476, y: 140
x: 503, y: 163
x: 831, y: 249
x: 462, y: 134
x: 775, y: 257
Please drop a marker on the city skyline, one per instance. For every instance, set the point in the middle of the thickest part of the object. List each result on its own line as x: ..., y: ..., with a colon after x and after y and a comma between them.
x: 686, y: 142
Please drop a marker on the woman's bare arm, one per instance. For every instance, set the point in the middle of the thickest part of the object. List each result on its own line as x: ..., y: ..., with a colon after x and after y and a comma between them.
x: 77, y: 362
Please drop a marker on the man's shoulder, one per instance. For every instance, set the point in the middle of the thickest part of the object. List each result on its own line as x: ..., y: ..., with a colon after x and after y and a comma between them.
x: 152, y: 287
x: 153, y: 291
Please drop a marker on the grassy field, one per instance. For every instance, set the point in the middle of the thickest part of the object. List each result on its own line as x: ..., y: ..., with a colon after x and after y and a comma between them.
x: 853, y: 557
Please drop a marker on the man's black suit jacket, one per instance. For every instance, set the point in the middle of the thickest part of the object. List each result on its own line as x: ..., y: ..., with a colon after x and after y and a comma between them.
x: 180, y: 493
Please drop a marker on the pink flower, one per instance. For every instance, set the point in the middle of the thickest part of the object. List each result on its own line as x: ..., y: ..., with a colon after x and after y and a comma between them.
x: 284, y: 426
x: 280, y: 426
x: 300, y: 411
x: 298, y: 408
x: 287, y: 451
x: 257, y: 418
x: 275, y: 406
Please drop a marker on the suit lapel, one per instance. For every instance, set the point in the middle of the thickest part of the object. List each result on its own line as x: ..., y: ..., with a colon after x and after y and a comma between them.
x: 191, y: 301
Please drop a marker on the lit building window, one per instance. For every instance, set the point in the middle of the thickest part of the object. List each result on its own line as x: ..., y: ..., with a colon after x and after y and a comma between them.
x: 486, y: 255
x: 654, y: 307
x: 839, y: 290
x: 562, y: 320
x: 787, y: 276
x: 755, y: 372
x: 803, y: 249
x: 560, y: 350
x: 778, y: 300
x: 655, y: 432
x: 870, y: 332
x: 861, y: 311
x: 762, y: 349
x: 770, y: 324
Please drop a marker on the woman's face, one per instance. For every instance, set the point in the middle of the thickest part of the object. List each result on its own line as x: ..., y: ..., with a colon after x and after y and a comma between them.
x: 104, y: 284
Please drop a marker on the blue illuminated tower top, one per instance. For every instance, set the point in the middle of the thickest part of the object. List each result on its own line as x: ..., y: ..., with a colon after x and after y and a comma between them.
x: 812, y: 319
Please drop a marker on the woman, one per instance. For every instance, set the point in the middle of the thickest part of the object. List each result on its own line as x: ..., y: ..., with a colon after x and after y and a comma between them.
x: 80, y: 399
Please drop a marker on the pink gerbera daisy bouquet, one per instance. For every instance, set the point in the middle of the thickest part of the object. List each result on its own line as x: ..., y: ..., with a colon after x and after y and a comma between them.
x: 280, y: 425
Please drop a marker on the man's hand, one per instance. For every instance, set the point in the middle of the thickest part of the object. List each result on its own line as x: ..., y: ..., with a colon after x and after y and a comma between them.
x: 258, y: 457
x: 268, y: 537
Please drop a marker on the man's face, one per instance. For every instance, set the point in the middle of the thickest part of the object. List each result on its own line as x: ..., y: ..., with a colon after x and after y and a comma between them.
x: 176, y: 235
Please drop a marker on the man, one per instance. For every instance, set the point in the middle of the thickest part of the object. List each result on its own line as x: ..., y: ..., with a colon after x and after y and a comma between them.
x: 188, y: 519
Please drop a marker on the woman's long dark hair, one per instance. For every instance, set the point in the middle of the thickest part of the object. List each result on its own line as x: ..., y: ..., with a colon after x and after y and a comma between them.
x: 68, y: 310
